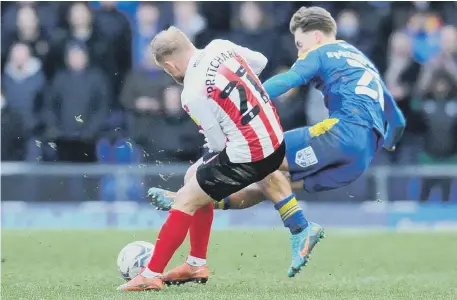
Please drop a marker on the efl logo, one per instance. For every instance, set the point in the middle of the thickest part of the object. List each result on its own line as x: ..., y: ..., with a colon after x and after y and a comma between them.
x: 306, y: 157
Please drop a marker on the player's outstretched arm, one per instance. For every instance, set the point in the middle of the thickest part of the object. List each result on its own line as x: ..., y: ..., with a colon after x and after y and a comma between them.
x: 280, y: 84
x: 396, y: 121
x: 305, y: 68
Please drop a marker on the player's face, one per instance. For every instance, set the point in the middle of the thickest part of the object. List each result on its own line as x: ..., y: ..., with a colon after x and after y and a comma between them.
x: 304, y: 41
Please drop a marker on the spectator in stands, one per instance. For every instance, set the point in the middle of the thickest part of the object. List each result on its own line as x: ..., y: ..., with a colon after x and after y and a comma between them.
x: 280, y: 13
x: 183, y: 142
x: 142, y: 98
x: 187, y: 18
x: 349, y: 30
x: 448, y: 10
x: 402, y: 72
x: 82, y: 31
x: 28, y: 31
x: 253, y: 32
x: 12, y: 141
x: 146, y: 27
x: 444, y: 61
x: 115, y: 26
x: 47, y: 12
x: 424, y: 29
x: 23, y: 85
x: 439, y: 118
x: 77, y: 107
x: 218, y: 16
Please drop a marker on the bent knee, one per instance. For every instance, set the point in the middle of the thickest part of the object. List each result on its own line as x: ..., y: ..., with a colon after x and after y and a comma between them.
x: 186, y: 201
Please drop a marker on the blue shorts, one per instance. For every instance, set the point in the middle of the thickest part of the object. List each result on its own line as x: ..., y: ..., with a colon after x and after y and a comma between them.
x: 330, y: 154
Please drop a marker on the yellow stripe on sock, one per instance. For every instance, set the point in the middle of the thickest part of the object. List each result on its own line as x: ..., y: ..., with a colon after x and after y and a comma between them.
x: 290, y: 212
x: 283, y: 210
x: 219, y: 204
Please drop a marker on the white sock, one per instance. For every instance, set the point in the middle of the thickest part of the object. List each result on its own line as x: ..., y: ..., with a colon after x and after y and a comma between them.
x: 195, y: 261
x: 149, y: 274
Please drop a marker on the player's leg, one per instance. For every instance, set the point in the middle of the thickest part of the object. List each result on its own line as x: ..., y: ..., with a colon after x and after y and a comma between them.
x: 247, y: 197
x: 303, y: 145
x: 163, y: 199
x: 199, y: 232
x: 252, y: 195
x: 326, y: 156
x: 277, y: 188
x: 304, y: 235
x: 188, y: 200
x: 357, y: 147
x: 310, y: 150
x: 195, y: 268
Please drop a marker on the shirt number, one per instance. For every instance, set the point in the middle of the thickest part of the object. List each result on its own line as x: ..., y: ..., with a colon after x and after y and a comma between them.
x: 247, y: 116
x: 364, y: 81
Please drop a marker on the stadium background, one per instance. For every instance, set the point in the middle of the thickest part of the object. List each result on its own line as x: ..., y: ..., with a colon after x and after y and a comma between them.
x: 88, y: 122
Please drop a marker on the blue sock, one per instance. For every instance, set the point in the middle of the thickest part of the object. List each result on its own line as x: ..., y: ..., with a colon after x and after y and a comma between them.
x: 226, y: 203
x: 291, y: 214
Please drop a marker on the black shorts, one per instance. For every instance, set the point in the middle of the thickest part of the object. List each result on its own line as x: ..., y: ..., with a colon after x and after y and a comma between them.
x: 219, y: 177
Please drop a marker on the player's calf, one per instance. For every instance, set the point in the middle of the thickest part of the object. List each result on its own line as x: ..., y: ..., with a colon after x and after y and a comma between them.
x: 304, y: 235
x: 277, y: 188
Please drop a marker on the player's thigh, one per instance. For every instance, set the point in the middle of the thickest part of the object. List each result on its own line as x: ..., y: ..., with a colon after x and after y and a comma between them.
x: 193, y: 169
x: 220, y: 178
x: 297, y: 185
x: 191, y: 197
x: 339, y: 175
x: 314, y: 148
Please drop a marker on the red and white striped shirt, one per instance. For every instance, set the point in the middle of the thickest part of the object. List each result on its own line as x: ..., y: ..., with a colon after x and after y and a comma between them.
x: 224, y: 96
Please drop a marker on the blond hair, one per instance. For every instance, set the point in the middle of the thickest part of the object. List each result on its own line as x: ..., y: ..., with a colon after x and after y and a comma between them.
x: 313, y: 18
x: 169, y: 42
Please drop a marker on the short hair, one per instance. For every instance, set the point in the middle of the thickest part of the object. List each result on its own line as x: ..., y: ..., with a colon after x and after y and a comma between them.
x: 313, y: 18
x: 168, y: 42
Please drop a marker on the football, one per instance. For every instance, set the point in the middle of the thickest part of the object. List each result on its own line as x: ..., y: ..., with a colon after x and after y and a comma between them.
x: 133, y: 257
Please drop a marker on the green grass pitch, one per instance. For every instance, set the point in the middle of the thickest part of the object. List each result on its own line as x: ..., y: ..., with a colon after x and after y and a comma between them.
x: 250, y: 265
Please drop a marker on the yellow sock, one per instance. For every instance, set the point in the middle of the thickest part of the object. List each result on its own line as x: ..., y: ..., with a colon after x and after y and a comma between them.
x: 218, y: 204
x: 288, y: 209
x: 291, y: 214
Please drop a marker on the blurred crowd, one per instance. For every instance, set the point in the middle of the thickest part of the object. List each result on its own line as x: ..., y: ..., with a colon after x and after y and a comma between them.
x: 78, y: 82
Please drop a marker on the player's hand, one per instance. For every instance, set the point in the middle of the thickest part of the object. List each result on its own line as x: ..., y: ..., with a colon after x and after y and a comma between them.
x: 206, y: 145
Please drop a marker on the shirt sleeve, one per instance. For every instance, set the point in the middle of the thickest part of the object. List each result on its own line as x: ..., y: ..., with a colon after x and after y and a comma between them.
x: 200, y: 110
x: 256, y: 60
x: 396, y: 122
x: 304, y: 69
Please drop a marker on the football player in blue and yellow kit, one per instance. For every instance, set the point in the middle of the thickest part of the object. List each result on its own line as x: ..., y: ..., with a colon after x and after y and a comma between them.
x: 336, y: 151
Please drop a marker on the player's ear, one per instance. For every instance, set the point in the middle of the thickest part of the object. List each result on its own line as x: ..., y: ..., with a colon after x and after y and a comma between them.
x: 168, y: 66
x: 318, y: 35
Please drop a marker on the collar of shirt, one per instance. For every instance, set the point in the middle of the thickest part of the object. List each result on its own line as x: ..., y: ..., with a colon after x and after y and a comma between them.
x: 193, y: 61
